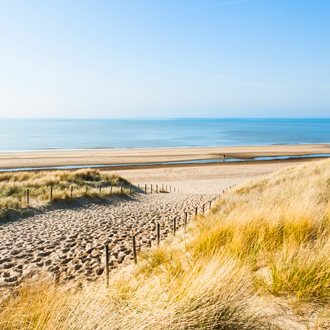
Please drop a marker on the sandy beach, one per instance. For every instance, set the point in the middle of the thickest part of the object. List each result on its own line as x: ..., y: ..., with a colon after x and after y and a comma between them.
x: 145, y: 156
x: 70, y: 238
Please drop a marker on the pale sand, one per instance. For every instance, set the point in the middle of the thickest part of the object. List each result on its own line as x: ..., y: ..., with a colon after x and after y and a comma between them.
x: 111, y: 157
x: 202, y: 179
x: 70, y: 238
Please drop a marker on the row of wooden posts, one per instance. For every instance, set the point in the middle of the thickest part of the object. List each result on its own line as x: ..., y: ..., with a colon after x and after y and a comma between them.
x: 106, y: 247
x: 164, y: 188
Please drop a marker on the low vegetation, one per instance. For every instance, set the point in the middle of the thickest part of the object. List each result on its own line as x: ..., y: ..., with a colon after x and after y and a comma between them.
x: 258, y: 260
x: 14, y: 186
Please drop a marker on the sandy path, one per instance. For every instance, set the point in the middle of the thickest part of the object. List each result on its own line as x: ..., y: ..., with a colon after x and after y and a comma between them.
x: 71, y: 239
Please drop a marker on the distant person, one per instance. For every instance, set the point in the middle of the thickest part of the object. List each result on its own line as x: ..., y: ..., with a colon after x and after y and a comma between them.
x: 223, y: 158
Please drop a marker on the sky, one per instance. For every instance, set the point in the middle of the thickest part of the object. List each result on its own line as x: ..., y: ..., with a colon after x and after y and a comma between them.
x: 156, y: 58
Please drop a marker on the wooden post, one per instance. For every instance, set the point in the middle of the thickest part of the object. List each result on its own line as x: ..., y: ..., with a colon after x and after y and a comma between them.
x: 106, y: 267
x: 151, y: 188
x: 27, y: 197
x: 86, y: 190
x: 51, y: 193
x: 185, y: 220
x: 174, y: 189
x: 130, y: 189
x: 71, y: 190
x: 138, y: 188
x: 166, y: 188
x: 203, y: 208
x: 163, y: 186
x: 170, y: 188
x: 158, y: 233
x: 134, y: 249
x: 100, y: 187
x: 174, y: 226
x: 56, y: 280
x: 210, y: 205
x: 196, y: 210
x: 145, y: 188
x: 157, y: 188
x: 111, y: 189
x: 121, y: 188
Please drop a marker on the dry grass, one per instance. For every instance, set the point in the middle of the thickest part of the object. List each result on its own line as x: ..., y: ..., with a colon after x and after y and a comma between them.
x: 258, y: 260
x: 13, y: 186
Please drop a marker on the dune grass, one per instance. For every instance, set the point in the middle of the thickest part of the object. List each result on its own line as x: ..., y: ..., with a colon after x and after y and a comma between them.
x: 258, y: 260
x: 13, y: 186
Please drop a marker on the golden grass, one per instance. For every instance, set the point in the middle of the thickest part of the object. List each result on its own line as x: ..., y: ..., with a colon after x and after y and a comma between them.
x: 258, y: 260
x: 13, y: 186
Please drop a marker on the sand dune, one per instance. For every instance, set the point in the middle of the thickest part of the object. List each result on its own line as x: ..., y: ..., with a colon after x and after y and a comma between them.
x: 70, y: 238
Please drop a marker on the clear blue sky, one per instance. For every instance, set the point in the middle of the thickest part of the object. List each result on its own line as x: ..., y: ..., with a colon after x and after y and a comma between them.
x: 156, y: 58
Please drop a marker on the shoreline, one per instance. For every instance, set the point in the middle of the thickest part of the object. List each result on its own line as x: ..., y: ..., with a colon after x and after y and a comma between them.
x: 121, y: 167
x: 150, y: 158
x: 41, y: 150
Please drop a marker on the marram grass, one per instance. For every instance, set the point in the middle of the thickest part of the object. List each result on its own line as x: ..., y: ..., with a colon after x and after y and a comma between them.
x: 258, y: 260
x: 13, y: 186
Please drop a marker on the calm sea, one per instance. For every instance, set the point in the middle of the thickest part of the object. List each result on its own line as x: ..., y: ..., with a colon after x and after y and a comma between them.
x: 28, y: 134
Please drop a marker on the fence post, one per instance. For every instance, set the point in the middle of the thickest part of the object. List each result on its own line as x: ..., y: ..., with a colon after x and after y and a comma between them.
x: 174, y: 189
x: 170, y: 188
x: 158, y: 234
x: 111, y: 189
x: 121, y: 188
x: 210, y: 205
x: 151, y: 188
x: 145, y: 188
x: 174, y: 226
x: 130, y: 189
x: 138, y: 189
x: 56, y: 279
x: 157, y: 188
x: 166, y: 188
x: 51, y: 193
x: 71, y: 190
x: 100, y: 187
x: 27, y: 197
x: 106, y: 251
x: 196, y: 210
x: 185, y: 220
x: 134, y: 249
x: 86, y: 190
x: 203, y: 208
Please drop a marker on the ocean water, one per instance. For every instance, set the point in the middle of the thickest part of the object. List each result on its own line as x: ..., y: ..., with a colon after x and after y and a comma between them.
x: 64, y: 134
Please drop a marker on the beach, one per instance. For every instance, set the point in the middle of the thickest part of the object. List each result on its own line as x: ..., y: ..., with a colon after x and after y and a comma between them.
x: 69, y: 238
x: 41, y: 159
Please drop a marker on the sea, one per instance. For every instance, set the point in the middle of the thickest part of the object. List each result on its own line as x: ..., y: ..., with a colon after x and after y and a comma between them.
x: 78, y: 134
